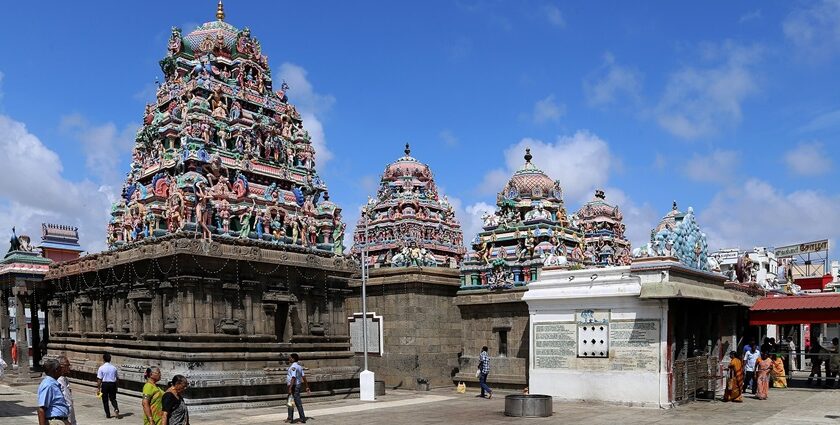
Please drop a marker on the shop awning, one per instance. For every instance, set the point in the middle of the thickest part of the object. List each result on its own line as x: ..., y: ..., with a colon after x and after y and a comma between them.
x: 794, y: 310
x: 695, y: 291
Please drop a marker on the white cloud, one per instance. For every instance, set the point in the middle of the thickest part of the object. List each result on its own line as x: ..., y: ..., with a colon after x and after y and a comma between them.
x: 698, y: 101
x: 470, y: 217
x: 105, y: 147
x: 581, y: 162
x: 449, y: 139
x: 815, y: 30
x: 547, y: 110
x: 611, y: 82
x: 34, y: 190
x: 758, y: 214
x: 808, y: 159
x: 554, y: 16
x: 750, y: 16
x: 311, y: 105
x: 716, y: 167
x: 826, y: 121
x: 369, y: 183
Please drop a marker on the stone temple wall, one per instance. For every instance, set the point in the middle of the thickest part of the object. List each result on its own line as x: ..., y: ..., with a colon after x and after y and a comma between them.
x: 421, y: 325
x: 225, y: 316
x: 486, y: 319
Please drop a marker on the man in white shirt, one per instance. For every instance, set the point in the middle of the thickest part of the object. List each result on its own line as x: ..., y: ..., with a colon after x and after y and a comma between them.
x: 106, y: 385
x: 750, y: 358
x: 64, y: 364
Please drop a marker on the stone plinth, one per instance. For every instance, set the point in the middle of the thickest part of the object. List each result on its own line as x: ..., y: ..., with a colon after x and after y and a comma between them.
x: 421, y: 324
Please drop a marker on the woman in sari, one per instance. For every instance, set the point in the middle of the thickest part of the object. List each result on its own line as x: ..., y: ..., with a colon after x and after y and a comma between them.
x: 779, y: 378
x: 152, y: 398
x: 763, y: 369
x: 735, y: 381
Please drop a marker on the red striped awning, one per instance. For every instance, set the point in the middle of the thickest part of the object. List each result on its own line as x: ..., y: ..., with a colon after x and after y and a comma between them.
x: 791, y: 310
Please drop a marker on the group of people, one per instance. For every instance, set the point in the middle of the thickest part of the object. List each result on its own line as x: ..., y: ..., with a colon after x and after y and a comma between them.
x: 55, y: 398
x: 820, y: 356
x: 160, y: 407
x: 756, y: 370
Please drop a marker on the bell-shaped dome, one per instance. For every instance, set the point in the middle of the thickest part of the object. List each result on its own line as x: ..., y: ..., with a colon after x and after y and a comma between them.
x: 407, y: 166
x: 531, y: 182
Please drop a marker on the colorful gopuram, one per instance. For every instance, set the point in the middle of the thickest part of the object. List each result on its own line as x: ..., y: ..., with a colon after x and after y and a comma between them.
x: 408, y: 223
x: 223, y: 152
x: 226, y: 250
x: 528, y: 229
x: 677, y: 235
x: 604, y: 243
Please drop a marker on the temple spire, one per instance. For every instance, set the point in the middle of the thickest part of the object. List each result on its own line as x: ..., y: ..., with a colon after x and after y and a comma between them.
x: 528, y: 155
x: 220, y: 11
x: 407, y: 150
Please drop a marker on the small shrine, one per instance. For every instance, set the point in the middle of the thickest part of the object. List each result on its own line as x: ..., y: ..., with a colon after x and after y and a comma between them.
x: 408, y: 223
x: 223, y: 152
x: 677, y: 235
x: 529, y: 229
x: 604, y: 243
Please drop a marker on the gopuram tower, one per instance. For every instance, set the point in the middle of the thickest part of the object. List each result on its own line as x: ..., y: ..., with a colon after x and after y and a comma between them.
x: 529, y: 229
x: 226, y: 252
x: 413, y: 245
x: 408, y: 223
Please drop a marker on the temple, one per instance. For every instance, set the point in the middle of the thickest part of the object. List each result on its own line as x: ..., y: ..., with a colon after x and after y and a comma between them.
x: 408, y: 223
x: 222, y: 153
x: 528, y: 228
x: 226, y: 251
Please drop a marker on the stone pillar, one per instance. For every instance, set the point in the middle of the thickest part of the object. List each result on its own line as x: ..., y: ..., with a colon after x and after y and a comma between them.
x: 36, y: 331
x: 20, y: 316
x: 186, y: 301
x: 5, y: 331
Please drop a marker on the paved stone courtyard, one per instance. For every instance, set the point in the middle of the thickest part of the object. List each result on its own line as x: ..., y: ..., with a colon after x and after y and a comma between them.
x: 785, y: 406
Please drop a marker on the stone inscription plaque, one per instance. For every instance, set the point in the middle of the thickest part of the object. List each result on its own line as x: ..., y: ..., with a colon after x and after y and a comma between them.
x: 634, y: 345
x: 554, y: 345
x: 357, y: 335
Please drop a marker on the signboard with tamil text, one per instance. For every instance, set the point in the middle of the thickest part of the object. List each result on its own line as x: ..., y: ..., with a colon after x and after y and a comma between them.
x: 802, y: 248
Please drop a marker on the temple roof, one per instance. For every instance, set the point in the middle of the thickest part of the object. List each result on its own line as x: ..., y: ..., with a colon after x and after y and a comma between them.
x: 531, y: 182
x: 599, y: 208
x: 407, y: 165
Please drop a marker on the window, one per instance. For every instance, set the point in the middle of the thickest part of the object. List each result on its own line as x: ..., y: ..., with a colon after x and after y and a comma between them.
x: 503, y: 343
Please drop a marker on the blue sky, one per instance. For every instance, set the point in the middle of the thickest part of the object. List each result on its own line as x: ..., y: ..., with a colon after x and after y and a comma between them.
x: 729, y: 107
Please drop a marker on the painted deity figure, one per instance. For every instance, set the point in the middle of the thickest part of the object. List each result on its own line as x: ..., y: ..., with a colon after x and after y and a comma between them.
x: 175, y: 41
x: 245, y: 221
x: 260, y: 225
x: 201, y: 209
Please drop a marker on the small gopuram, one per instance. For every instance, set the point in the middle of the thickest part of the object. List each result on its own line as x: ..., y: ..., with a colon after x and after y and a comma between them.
x: 413, y: 244
x: 22, y: 272
x: 408, y: 223
x: 528, y: 231
x: 653, y: 333
x: 226, y: 250
x: 603, y: 233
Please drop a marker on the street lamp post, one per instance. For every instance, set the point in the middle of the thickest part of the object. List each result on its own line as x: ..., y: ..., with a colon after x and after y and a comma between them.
x: 366, y: 377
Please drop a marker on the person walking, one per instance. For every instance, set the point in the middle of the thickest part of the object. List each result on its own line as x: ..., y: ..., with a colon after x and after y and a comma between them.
x: 295, y: 378
x: 832, y: 367
x: 750, y: 360
x: 762, y: 377
x: 52, y: 406
x: 735, y: 383
x: 106, y: 385
x: 483, y: 371
x: 778, y: 373
x: 174, y: 409
x: 816, y: 362
x: 14, y: 353
x: 152, y: 398
x: 64, y: 364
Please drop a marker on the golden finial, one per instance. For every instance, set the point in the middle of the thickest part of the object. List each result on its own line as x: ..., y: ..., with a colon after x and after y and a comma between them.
x: 220, y: 11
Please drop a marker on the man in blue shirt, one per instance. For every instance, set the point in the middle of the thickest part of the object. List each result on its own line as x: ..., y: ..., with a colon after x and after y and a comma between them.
x: 52, y: 407
x: 294, y: 378
x: 483, y: 371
